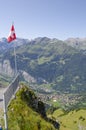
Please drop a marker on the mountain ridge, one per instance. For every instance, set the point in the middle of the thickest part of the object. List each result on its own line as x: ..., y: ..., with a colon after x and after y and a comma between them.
x: 81, y: 42
x: 52, y: 60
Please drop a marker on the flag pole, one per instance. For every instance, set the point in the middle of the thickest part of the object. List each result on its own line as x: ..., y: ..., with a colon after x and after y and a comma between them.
x: 11, y: 37
x: 15, y: 61
x: 15, y: 56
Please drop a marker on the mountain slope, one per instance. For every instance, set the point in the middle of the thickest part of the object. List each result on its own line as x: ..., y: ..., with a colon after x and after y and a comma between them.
x: 60, y: 65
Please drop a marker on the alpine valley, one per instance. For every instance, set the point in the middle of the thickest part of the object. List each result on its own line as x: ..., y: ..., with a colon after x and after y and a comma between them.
x: 55, y: 70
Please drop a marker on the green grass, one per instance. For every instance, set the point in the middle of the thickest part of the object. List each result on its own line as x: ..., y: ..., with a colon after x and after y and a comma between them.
x: 5, y: 80
x: 71, y: 120
x: 2, y: 117
x: 43, y: 59
x: 55, y: 104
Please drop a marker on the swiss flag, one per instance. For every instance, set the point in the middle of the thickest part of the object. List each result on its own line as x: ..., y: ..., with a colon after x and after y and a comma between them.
x: 12, y: 35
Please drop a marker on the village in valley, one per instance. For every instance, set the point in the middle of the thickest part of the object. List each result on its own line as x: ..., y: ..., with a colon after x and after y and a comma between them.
x: 51, y: 97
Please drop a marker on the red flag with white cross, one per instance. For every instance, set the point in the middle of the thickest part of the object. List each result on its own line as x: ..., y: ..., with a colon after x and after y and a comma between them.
x: 12, y: 35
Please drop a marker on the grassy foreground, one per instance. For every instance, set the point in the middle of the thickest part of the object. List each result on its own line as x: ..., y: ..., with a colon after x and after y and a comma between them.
x: 23, y: 117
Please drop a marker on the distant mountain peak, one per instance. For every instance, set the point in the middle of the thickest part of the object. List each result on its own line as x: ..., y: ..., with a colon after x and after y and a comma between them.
x: 80, y: 43
x: 3, y: 40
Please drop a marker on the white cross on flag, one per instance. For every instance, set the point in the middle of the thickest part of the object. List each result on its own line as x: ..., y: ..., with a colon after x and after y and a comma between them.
x: 12, y: 35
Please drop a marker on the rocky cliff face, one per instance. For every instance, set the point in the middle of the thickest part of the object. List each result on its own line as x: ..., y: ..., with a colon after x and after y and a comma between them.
x: 5, y: 68
x: 28, y: 77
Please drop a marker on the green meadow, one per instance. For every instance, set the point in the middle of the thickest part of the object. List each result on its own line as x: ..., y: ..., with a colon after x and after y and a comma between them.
x: 73, y: 120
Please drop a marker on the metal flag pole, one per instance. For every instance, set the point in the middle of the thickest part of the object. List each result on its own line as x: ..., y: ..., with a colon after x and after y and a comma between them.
x: 15, y: 61
x: 15, y: 56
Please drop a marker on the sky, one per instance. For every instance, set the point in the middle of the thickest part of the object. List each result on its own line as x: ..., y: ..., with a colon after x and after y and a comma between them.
x: 59, y: 19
